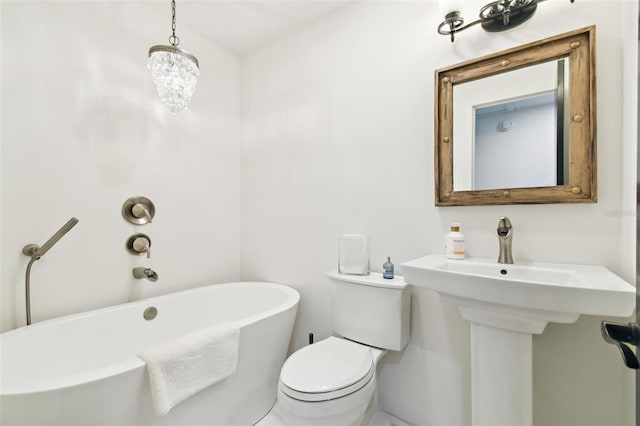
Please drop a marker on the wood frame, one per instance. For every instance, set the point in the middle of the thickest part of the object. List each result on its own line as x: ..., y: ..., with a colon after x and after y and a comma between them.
x: 579, y: 47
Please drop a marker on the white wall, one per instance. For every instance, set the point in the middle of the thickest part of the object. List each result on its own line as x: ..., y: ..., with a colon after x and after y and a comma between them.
x: 83, y: 130
x: 338, y: 121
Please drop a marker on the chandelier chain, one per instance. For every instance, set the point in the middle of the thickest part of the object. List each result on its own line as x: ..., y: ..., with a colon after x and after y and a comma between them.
x: 173, y: 39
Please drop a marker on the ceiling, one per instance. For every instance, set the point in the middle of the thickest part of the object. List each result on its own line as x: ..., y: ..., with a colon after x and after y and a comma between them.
x: 242, y: 25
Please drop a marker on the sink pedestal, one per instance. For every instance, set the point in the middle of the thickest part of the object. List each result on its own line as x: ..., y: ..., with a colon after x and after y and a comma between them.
x: 501, y: 377
x: 501, y: 359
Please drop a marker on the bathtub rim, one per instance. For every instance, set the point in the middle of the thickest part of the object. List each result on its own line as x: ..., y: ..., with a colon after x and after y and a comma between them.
x: 122, y: 367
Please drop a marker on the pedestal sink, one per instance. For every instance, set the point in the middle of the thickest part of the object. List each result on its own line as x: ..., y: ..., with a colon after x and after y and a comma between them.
x: 506, y: 305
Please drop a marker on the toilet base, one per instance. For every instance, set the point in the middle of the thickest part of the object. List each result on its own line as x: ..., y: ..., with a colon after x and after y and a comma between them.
x: 377, y: 418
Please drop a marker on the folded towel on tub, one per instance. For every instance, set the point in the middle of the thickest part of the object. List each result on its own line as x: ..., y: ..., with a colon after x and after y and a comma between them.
x: 182, y: 367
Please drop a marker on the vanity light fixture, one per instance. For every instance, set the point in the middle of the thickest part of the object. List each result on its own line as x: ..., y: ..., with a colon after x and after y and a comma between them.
x: 174, y: 70
x: 496, y: 16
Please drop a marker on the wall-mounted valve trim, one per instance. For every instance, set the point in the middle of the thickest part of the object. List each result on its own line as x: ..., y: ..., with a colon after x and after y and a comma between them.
x: 138, y: 210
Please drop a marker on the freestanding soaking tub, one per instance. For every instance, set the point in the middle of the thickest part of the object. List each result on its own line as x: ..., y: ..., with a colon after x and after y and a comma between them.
x: 83, y: 370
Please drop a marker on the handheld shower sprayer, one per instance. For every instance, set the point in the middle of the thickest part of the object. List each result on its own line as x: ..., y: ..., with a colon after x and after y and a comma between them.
x: 35, y: 252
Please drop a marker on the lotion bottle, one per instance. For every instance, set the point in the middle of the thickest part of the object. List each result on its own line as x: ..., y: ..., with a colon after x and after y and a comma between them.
x: 455, y: 247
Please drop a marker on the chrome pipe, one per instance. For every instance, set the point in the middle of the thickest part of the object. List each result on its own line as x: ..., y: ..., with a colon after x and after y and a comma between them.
x: 27, y: 289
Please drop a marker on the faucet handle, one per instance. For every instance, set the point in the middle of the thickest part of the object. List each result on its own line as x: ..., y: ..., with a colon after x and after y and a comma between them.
x: 504, y: 226
x: 142, y: 245
x: 140, y: 211
x: 139, y: 244
x: 504, y: 222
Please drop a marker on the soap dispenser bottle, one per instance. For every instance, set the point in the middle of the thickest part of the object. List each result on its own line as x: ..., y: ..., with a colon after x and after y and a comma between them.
x: 387, y: 269
x: 455, y: 246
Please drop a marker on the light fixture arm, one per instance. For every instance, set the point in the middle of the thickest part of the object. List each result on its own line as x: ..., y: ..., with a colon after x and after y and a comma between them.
x: 499, y: 15
x: 455, y: 24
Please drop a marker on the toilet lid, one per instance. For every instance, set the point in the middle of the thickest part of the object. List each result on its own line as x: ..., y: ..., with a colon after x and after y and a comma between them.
x: 326, y: 370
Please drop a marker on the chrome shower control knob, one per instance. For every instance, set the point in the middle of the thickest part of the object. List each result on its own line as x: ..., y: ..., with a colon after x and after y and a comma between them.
x: 138, y: 210
x: 142, y: 245
x: 139, y: 244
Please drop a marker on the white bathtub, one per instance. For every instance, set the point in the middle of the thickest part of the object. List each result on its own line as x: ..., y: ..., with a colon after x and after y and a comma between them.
x: 83, y: 370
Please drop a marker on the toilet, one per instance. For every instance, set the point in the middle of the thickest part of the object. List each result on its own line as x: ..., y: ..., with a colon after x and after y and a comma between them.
x: 333, y: 381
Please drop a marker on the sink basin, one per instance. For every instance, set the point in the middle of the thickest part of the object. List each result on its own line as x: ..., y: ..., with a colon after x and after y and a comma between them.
x: 554, y: 288
x: 506, y: 305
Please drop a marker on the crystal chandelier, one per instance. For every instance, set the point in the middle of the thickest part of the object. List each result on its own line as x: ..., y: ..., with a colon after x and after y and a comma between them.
x: 174, y: 70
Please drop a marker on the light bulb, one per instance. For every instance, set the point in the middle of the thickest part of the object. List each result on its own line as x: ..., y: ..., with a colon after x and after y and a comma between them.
x: 448, y: 6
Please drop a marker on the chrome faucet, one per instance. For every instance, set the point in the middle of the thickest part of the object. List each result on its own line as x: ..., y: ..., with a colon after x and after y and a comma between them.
x: 142, y: 272
x: 505, y: 234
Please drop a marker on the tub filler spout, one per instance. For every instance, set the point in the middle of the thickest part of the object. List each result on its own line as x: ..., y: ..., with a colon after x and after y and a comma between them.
x: 148, y: 273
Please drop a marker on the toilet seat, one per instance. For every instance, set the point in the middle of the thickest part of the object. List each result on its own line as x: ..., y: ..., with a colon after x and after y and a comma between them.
x: 326, y: 370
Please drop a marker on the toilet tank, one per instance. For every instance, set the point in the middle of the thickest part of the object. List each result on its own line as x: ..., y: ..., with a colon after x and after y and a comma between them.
x: 371, y: 310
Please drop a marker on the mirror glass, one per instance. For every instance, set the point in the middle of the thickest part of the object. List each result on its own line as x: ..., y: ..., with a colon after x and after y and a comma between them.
x: 518, y: 126
x: 508, y: 134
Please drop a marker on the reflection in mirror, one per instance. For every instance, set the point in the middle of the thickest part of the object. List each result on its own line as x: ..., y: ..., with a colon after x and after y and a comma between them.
x: 515, y: 144
x: 518, y: 126
x: 509, y: 134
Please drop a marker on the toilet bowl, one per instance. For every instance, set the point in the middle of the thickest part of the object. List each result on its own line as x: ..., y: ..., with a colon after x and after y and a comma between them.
x: 333, y: 382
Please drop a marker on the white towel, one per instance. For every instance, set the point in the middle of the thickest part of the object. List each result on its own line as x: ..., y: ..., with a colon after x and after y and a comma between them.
x: 180, y: 368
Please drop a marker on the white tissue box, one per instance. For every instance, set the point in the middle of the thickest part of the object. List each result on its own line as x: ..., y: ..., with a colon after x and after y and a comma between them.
x: 353, y: 254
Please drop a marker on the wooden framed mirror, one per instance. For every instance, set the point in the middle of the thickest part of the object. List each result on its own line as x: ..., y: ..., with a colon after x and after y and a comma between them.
x: 518, y: 126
